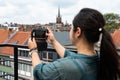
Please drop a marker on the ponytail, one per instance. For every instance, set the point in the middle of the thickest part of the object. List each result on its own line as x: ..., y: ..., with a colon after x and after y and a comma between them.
x: 91, y: 23
x: 109, y: 63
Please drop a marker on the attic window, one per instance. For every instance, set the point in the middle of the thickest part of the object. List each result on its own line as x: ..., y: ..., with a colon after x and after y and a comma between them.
x: 10, y: 29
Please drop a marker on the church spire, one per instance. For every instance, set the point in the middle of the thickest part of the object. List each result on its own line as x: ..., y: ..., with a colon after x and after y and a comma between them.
x: 58, y: 18
x: 58, y: 11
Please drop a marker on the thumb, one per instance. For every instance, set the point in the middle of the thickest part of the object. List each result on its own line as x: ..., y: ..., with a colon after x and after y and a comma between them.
x: 34, y: 41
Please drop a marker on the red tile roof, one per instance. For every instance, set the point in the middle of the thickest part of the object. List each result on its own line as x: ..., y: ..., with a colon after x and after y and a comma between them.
x: 3, y: 35
x: 19, y: 38
x: 116, y: 37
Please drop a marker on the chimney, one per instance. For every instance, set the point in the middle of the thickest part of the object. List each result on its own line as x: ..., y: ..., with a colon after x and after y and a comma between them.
x: 10, y: 31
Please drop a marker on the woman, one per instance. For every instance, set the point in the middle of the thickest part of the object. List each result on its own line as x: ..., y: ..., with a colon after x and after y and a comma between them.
x: 87, y: 64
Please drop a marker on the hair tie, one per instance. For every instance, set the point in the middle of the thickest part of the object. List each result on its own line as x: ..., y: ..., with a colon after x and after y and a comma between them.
x: 99, y: 42
x: 100, y: 29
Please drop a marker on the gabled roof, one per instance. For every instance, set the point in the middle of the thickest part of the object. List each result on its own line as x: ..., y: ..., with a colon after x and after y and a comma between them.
x: 116, y: 37
x: 3, y: 35
x: 19, y: 38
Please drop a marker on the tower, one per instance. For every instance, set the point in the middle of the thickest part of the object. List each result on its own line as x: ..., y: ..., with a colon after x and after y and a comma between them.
x: 58, y: 18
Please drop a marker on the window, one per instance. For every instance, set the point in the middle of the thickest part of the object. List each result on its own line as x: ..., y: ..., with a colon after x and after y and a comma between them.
x: 44, y: 55
x: 47, y: 56
x: 24, y: 69
x: 22, y: 66
x: 5, y: 63
x: 23, y: 53
x: 27, y: 52
x: 0, y: 61
x: 18, y: 52
x: 50, y: 56
x: 28, y: 68
x: 8, y: 77
x: 5, y: 75
x: 19, y: 66
x: 9, y: 63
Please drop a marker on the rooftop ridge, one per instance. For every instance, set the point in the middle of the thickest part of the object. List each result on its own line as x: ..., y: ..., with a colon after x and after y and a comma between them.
x: 10, y: 37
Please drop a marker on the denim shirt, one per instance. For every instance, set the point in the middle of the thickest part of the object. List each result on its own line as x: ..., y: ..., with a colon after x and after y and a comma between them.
x: 72, y: 67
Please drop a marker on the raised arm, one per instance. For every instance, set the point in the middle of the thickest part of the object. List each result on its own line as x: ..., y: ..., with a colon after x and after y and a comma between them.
x: 58, y: 47
x: 35, y: 58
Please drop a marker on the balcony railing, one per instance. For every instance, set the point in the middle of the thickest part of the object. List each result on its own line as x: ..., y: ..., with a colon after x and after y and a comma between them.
x: 15, y: 57
x: 16, y: 47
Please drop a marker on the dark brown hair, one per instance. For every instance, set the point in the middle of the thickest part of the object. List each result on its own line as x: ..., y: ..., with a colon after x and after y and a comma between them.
x: 90, y: 20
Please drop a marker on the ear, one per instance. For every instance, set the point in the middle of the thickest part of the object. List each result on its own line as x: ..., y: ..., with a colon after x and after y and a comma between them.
x: 78, y: 32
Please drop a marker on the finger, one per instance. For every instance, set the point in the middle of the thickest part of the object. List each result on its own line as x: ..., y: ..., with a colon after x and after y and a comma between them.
x: 46, y: 34
x: 29, y: 40
x: 34, y: 40
x: 49, y: 30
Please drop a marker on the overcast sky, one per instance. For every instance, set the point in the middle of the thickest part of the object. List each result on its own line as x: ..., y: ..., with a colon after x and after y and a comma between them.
x: 45, y: 11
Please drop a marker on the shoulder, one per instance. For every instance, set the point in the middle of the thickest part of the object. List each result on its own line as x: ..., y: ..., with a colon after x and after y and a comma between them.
x: 68, y: 53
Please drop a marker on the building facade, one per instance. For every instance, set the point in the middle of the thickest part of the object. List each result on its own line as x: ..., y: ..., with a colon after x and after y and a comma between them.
x: 24, y: 61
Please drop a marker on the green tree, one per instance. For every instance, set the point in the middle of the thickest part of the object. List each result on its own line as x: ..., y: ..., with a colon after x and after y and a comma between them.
x: 112, y: 21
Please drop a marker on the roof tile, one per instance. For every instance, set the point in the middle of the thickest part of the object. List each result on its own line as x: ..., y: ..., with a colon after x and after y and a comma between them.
x: 19, y: 38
